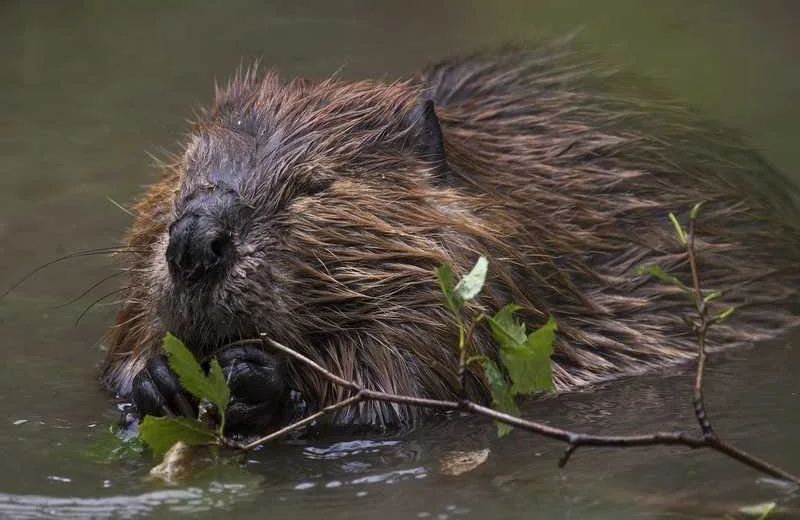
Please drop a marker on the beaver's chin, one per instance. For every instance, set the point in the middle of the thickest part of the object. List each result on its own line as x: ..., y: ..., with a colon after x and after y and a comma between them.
x: 209, y: 340
x: 205, y: 324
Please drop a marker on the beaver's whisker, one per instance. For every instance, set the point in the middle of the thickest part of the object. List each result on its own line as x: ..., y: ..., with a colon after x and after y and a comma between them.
x: 120, y: 206
x: 90, y: 289
x: 70, y: 256
x: 98, y: 300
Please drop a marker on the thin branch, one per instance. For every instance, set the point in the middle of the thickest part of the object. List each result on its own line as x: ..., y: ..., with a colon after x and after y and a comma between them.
x: 299, y: 424
x: 571, y: 438
x: 464, y: 342
x: 462, y: 372
x: 701, y: 329
x: 693, y: 263
x: 570, y: 449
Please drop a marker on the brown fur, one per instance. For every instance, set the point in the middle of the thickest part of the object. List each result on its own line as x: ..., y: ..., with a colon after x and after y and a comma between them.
x: 561, y: 171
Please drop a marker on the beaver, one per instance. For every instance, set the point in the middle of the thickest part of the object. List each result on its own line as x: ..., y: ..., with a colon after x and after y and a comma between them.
x: 315, y: 213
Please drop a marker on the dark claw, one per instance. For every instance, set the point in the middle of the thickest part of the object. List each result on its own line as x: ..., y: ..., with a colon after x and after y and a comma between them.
x: 252, y: 419
x: 259, y: 392
x: 157, y: 391
x: 253, y: 375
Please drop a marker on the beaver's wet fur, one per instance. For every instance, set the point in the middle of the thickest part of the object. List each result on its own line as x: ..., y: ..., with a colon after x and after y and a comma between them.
x: 316, y: 212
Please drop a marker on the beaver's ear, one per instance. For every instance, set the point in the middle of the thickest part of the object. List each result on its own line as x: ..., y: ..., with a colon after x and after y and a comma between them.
x: 427, y: 134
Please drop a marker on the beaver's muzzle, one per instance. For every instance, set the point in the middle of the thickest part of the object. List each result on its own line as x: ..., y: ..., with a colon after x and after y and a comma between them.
x: 200, y: 248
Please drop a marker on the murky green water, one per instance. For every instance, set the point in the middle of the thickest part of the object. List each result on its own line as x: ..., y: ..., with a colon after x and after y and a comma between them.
x: 86, y: 89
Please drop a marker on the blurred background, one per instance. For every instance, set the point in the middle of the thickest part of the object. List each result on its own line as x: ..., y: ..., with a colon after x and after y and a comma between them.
x: 89, y: 89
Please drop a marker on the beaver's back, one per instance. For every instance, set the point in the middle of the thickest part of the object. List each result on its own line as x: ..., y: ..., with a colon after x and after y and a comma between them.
x: 592, y: 161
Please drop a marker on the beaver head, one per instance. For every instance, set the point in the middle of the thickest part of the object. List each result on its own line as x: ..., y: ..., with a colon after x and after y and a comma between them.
x: 297, y: 213
x: 314, y: 214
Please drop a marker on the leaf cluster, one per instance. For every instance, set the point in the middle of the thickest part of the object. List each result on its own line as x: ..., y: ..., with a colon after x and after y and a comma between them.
x: 160, y: 433
x: 526, y: 367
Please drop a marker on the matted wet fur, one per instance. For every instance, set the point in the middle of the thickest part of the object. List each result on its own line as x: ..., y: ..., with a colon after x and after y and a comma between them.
x: 341, y: 201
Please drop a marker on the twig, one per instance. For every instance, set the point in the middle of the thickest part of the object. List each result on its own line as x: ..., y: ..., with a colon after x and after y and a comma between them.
x: 570, y: 449
x: 464, y: 342
x: 573, y: 439
x: 701, y: 329
x: 308, y: 420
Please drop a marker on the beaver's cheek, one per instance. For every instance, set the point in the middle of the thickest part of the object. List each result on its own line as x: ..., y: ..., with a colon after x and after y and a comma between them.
x: 158, y: 271
x: 161, y: 287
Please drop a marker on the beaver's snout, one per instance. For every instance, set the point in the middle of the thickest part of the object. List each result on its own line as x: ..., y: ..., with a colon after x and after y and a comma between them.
x: 200, y: 247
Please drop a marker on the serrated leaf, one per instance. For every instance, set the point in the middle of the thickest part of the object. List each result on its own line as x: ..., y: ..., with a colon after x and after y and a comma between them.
x: 444, y: 274
x: 191, y: 375
x: 217, y: 379
x: 678, y: 229
x: 506, y: 328
x: 526, y: 357
x: 529, y: 364
x: 502, y: 400
x: 468, y: 287
x: 160, y: 433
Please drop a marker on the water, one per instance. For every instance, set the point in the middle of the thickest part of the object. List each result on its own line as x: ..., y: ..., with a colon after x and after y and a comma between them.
x: 86, y: 89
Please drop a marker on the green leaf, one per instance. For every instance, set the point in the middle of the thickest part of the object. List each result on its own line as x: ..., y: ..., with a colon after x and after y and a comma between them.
x: 678, y: 229
x: 160, y: 433
x: 656, y: 271
x: 526, y: 357
x: 469, y: 286
x: 502, y: 400
x: 444, y: 274
x: 529, y: 364
x: 475, y: 359
x: 111, y: 448
x: 762, y: 511
x: 712, y: 296
x: 724, y: 315
x: 217, y: 380
x: 191, y: 375
x: 695, y: 211
x: 506, y: 328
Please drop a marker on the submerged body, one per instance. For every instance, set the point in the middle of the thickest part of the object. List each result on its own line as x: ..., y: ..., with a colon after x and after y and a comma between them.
x: 315, y: 213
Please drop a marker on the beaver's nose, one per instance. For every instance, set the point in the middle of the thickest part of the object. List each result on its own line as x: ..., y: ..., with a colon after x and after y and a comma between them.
x: 199, y: 247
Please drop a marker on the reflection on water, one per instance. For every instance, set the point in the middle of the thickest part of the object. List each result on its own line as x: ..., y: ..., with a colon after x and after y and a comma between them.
x: 87, y: 88
x: 191, y: 500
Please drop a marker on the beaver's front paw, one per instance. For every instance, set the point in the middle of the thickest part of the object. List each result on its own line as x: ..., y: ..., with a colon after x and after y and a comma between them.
x: 259, y: 393
x: 156, y: 391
